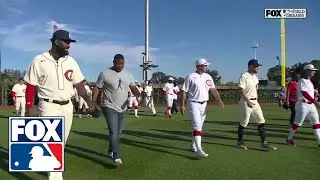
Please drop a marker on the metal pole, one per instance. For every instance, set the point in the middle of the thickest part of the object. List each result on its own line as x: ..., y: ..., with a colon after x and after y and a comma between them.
x: 283, y: 54
x: 146, y: 59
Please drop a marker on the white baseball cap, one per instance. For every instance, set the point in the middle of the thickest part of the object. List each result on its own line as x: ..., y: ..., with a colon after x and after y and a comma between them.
x: 310, y: 67
x: 170, y: 79
x: 202, y: 61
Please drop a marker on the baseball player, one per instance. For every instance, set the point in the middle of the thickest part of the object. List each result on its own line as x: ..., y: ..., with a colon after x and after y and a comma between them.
x: 139, y: 99
x: 196, y: 87
x: 168, y: 94
x: 305, y: 106
x: 53, y: 74
x: 248, y: 85
x: 292, y: 95
x: 149, y: 99
x: 18, y: 93
x: 176, y: 91
x: 83, y: 105
x: 133, y: 102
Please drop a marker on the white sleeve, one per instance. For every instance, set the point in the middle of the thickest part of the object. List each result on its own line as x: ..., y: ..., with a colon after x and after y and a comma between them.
x: 14, y: 88
x: 32, y: 75
x: 165, y: 87
x: 212, y: 85
x: 303, y: 86
x: 242, y: 82
x: 186, y: 84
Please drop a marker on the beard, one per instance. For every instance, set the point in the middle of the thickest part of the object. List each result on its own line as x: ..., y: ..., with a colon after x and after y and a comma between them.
x: 62, y: 51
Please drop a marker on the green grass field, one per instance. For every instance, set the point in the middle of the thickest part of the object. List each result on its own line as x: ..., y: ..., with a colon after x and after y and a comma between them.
x: 157, y: 148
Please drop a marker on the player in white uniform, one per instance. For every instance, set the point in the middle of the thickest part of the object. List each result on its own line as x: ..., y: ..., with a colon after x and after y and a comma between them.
x: 305, y: 107
x: 133, y: 102
x: 53, y: 74
x: 169, y: 95
x: 176, y: 91
x: 149, y: 99
x: 18, y: 93
x: 196, y: 86
x: 139, y: 99
x: 248, y: 86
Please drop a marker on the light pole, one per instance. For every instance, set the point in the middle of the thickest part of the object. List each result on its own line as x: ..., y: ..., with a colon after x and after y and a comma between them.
x: 254, y: 47
x: 146, y: 66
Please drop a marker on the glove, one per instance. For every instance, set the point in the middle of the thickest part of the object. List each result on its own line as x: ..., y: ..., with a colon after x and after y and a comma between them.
x: 97, y: 112
x: 285, y: 106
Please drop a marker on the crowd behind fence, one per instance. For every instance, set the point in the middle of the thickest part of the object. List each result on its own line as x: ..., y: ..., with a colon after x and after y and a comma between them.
x: 229, y: 95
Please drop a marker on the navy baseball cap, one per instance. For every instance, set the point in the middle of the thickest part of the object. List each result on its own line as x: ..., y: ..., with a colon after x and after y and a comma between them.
x: 254, y: 62
x: 62, y: 35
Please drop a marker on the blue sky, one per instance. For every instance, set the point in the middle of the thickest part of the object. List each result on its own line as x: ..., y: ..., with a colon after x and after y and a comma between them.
x: 181, y: 31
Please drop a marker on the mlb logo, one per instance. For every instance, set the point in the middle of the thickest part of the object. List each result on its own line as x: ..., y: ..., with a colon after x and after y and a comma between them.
x: 36, y: 144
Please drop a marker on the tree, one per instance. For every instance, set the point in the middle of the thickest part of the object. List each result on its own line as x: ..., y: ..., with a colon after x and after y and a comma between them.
x: 215, y: 76
x: 158, y: 77
x: 274, y: 74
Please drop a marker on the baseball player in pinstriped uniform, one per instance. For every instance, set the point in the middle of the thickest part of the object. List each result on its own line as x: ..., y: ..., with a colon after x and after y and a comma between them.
x: 197, y: 85
x: 54, y: 73
x: 168, y: 94
x: 305, y: 107
x: 18, y: 93
x: 248, y: 85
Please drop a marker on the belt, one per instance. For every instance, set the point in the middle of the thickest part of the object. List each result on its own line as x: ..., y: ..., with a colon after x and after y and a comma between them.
x: 58, y: 102
x: 20, y: 96
x: 253, y: 98
x: 308, y: 102
x: 202, y: 102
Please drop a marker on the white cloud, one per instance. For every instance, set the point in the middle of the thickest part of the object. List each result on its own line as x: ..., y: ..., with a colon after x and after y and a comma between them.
x: 12, y: 7
x: 33, y: 36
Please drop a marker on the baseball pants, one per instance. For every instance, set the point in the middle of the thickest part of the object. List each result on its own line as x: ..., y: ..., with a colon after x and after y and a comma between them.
x: 255, y: 112
x: 169, y: 100
x: 115, y: 125
x: 303, y: 111
x: 133, y: 102
x: 82, y: 103
x: 52, y: 109
x: 149, y: 104
x: 197, y: 114
x: 292, y: 106
x: 21, y: 105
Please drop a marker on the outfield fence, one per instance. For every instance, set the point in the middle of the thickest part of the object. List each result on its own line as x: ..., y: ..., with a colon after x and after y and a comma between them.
x: 229, y: 94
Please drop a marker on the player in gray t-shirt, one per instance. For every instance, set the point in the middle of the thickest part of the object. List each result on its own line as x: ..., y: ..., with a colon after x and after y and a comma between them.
x: 114, y: 84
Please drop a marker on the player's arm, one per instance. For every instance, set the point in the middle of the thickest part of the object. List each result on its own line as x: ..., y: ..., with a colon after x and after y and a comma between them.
x: 164, y: 90
x: 31, y: 79
x: 185, y: 89
x: 288, y: 92
x: 134, y: 89
x: 13, y: 93
x: 96, y: 91
x: 242, y: 85
x: 77, y: 80
x: 305, y: 93
x: 215, y: 92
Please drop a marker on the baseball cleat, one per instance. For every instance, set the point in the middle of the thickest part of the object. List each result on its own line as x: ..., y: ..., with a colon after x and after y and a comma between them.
x: 241, y: 145
x: 267, y: 146
x: 136, y: 116
x: 193, y: 149
x: 290, y: 142
x: 118, y: 163
x: 201, y: 154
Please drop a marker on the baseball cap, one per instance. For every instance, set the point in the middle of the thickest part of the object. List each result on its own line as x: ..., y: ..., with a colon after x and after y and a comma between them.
x: 170, y: 79
x: 202, y: 61
x: 62, y: 35
x: 254, y: 62
x: 310, y: 67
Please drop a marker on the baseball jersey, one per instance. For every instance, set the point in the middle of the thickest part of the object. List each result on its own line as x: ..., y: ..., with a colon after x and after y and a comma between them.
x: 293, y: 91
x: 249, y: 82
x: 19, y: 89
x: 176, y: 91
x: 54, y: 79
x: 168, y: 87
x: 305, y: 85
x: 115, y: 87
x: 148, y: 90
x: 197, y: 86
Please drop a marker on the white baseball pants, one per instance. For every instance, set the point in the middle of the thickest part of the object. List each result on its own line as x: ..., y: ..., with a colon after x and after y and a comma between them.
x: 149, y: 104
x: 305, y: 110
x: 21, y: 105
x: 52, y: 109
x: 82, y: 103
x: 169, y: 99
x: 132, y: 101
x: 197, y: 114
x: 247, y: 112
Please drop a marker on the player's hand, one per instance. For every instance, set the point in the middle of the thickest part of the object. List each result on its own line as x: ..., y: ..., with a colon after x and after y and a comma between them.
x: 250, y: 104
x: 183, y: 110
x: 221, y: 104
x: 91, y: 106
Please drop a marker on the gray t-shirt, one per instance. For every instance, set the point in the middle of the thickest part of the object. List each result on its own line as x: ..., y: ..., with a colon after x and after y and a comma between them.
x: 115, y: 88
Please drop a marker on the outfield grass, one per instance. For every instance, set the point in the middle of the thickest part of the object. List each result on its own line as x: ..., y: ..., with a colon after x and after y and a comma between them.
x: 157, y: 148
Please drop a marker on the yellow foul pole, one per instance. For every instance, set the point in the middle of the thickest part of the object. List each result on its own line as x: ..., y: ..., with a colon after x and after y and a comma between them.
x: 283, y: 53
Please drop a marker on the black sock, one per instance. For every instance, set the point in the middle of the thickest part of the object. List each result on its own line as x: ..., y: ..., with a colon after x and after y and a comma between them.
x: 240, y: 133
x: 262, y: 132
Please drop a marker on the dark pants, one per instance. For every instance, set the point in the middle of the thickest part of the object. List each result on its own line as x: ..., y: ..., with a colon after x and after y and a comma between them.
x: 115, y: 124
x: 174, y: 107
x: 293, y: 111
